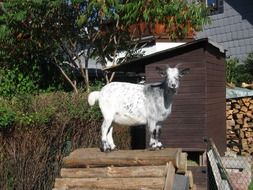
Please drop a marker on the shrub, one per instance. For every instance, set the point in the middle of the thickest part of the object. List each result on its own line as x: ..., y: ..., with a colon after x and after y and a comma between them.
x: 13, y: 82
x: 231, y: 65
x: 7, y: 116
x: 45, y: 128
x: 237, y: 73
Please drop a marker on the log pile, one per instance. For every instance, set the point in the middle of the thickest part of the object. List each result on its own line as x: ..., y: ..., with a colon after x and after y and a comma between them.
x: 239, y: 115
x: 90, y: 169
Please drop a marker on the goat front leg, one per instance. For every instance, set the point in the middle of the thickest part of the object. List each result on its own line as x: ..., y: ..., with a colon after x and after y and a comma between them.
x: 154, y: 135
x: 157, y: 136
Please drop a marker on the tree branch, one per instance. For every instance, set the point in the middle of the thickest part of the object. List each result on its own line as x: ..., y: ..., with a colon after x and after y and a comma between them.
x: 66, y: 76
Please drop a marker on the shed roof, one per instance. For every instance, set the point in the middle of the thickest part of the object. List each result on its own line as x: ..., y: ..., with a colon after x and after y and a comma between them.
x: 238, y: 92
x: 138, y: 64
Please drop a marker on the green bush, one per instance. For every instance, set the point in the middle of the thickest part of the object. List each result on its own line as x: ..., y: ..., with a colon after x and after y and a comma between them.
x: 13, y: 82
x: 237, y: 72
x: 250, y: 186
x: 46, y: 127
x: 7, y: 116
x: 31, y: 110
x: 231, y: 65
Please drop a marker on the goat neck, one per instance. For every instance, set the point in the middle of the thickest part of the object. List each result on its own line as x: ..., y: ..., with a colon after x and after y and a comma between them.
x: 168, y: 93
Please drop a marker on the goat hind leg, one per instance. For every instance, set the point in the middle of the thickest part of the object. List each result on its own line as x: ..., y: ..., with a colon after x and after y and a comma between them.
x: 110, y: 139
x: 105, y: 147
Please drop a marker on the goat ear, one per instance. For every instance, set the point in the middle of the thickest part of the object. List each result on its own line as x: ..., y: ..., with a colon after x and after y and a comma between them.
x: 161, y: 71
x: 183, y: 72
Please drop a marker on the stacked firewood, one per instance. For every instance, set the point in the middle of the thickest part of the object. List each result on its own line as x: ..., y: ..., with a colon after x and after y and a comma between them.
x: 89, y: 168
x: 239, y: 114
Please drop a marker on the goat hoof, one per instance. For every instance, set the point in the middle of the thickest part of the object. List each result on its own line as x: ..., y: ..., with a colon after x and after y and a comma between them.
x: 104, y: 147
x: 115, y: 149
x: 153, y: 148
x: 156, y: 146
x: 106, y: 150
x: 160, y: 147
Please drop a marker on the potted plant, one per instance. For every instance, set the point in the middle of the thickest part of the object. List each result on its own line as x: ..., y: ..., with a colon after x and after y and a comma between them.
x: 176, y: 19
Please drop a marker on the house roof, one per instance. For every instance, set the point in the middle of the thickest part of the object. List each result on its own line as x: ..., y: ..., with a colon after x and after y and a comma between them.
x: 138, y: 64
x: 232, y: 28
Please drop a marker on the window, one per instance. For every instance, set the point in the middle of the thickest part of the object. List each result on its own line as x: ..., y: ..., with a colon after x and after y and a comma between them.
x: 216, y: 6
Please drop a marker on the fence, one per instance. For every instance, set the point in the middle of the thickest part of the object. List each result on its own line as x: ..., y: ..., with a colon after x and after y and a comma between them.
x: 228, y: 172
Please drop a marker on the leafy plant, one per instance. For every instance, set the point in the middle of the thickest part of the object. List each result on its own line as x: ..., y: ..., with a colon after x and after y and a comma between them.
x: 29, y: 38
x: 13, y: 82
x: 48, y: 34
x: 237, y: 72
x: 250, y: 186
x: 249, y: 66
x: 231, y: 70
x: 7, y: 116
x: 179, y: 17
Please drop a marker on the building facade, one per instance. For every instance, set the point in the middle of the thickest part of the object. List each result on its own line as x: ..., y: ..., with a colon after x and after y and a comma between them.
x: 232, y: 27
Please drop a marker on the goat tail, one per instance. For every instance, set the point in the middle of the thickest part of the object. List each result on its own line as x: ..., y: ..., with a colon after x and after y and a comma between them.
x: 93, y: 97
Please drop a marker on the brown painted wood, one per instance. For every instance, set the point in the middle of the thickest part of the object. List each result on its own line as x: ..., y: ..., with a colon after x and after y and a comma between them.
x: 200, y: 176
x: 200, y: 102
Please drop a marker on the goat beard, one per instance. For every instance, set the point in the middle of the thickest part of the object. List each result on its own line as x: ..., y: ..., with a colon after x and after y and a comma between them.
x: 172, y: 91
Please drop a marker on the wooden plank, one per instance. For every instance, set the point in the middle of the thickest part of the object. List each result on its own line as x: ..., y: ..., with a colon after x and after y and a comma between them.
x: 194, y: 187
x: 93, y: 157
x: 189, y: 96
x: 185, y: 108
x: 182, y: 163
x: 198, y: 126
x: 110, y: 183
x: 181, y: 182
x: 169, y: 181
x: 190, y: 178
x: 200, y: 176
x: 193, y: 102
x: 136, y: 171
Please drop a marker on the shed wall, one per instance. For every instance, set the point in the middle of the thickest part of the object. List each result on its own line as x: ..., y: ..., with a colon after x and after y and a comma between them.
x: 198, y: 109
x: 216, y: 98
x: 185, y: 127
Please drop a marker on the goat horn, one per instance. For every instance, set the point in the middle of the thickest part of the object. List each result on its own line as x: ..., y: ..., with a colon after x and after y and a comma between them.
x: 178, y: 65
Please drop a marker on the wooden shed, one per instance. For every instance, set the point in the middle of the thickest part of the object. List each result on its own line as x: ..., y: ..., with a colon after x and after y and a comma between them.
x: 199, y: 107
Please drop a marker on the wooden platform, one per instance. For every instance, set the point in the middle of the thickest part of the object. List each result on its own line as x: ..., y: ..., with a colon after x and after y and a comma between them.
x: 91, y: 169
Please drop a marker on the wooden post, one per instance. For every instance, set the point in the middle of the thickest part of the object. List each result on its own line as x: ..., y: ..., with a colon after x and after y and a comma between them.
x: 105, y: 172
x: 182, y: 168
x: 190, y: 177
x: 169, y: 177
x: 91, y: 169
x: 151, y: 183
x: 91, y: 157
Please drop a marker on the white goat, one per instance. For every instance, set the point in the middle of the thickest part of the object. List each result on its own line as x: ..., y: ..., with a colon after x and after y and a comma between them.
x: 134, y: 104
